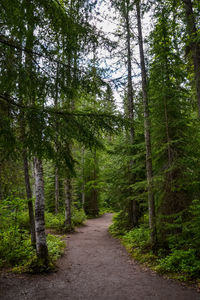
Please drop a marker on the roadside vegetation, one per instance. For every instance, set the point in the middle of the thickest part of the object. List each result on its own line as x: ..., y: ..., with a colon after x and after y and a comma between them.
x: 180, y: 260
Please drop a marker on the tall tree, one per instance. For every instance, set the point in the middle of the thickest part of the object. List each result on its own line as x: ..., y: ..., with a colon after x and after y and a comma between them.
x: 133, y: 207
x: 147, y: 127
x: 170, y: 118
x: 125, y: 8
x: 41, y: 245
x: 194, y: 45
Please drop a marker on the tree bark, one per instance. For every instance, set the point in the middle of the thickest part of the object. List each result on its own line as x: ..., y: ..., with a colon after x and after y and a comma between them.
x: 83, y: 180
x: 56, y: 146
x: 68, y: 201
x: 147, y: 125
x: 56, y: 191
x: 130, y: 85
x: 194, y: 46
x: 22, y: 123
x: 29, y: 198
x: 132, y: 207
x: 41, y: 245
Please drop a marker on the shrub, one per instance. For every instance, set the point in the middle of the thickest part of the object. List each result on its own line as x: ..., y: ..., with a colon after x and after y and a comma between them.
x: 137, y: 237
x: 78, y: 216
x: 23, y: 220
x: 15, y: 247
x: 55, y: 247
x: 120, y: 224
x: 183, y: 261
x: 56, y: 222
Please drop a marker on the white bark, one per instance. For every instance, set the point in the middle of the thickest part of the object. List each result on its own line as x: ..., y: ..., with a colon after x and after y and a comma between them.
x: 41, y: 245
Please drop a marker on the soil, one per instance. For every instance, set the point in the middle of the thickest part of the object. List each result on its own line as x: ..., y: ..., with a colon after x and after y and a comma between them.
x: 95, y: 266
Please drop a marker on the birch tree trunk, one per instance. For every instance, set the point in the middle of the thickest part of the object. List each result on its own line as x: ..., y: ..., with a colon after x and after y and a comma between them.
x: 147, y: 125
x: 194, y: 46
x: 41, y: 245
x: 68, y: 201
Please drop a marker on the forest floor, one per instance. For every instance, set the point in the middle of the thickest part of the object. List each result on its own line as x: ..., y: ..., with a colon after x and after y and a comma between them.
x: 95, y: 266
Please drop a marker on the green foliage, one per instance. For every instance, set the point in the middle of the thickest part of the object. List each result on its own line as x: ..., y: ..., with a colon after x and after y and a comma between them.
x: 15, y: 247
x: 23, y: 220
x: 120, y: 224
x: 13, y: 213
x: 138, y: 237
x: 55, y: 247
x: 78, y: 216
x: 191, y: 230
x: 104, y: 210
x: 183, y: 261
x: 17, y: 252
x: 55, y: 104
x: 53, y: 221
x: 57, y: 221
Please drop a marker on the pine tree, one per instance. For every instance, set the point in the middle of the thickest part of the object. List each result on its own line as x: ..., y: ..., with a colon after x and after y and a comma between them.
x: 147, y: 128
x: 169, y: 120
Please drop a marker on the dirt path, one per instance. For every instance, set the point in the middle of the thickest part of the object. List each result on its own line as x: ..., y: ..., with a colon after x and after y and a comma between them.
x: 94, y: 267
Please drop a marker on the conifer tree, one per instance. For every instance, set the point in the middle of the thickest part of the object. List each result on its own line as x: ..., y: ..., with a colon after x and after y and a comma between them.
x: 147, y: 133
x: 169, y: 120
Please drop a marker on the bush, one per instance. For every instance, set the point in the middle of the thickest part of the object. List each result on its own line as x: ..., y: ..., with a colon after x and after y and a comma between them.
x: 23, y: 220
x: 16, y: 250
x: 120, y: 224
x: 56, y: 222
x: 137, y: 237
x: 78, y: 216
x: 15, y: 247
x: 183, y: 261
x: 55, y: 247
x: 104, y: 210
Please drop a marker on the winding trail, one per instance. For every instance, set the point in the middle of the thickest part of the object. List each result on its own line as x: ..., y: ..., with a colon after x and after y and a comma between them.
x: 95, y: 267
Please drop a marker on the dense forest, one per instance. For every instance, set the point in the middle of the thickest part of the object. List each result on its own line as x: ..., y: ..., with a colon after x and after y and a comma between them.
x: 69, y: 151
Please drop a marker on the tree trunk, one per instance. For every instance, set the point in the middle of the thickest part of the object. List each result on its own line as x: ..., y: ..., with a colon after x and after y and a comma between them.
x: 83, y: 180
x: 149, y: 170
x: 56, y: 145
x: 56, y: 191
x: 95, y: 194
x: 83, y: 197
x: 194, y: 46
x: 68, y: 201
x: 22, y: 123
x: 132, y: 207
x: 130, y: 86
x: 41, y: 245
x: 29, y: 198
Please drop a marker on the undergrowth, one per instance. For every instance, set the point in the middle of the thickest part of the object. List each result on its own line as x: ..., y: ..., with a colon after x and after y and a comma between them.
x: 178, y: 263
x: 57, y: 222
x: 16, y: 251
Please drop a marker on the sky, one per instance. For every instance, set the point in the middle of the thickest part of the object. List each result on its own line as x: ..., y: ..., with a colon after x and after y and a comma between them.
x: 105, y: 22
